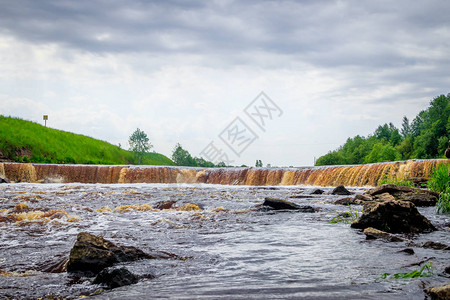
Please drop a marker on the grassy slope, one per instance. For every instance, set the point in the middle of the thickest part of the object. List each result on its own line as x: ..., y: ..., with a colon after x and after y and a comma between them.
x: 30, y: 142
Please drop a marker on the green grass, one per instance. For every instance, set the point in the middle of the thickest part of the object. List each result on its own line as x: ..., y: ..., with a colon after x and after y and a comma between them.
x: 439, y: 181
x: 25, y: 141
x: 345, y: 217
x: 425, y: 271
x: 388, y: 179
x: 443, y: 204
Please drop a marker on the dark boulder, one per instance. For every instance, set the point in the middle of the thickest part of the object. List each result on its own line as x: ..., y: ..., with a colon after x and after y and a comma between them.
x: 115, y: 278
x: 92, y: 253
x: 280, y: 204
x: 394, y: 217
x: 4, y: 180
x: 340, y: 190
x: 317, y: 192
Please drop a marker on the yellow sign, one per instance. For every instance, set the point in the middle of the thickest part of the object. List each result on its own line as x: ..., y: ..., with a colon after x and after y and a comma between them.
x: 45, y: 117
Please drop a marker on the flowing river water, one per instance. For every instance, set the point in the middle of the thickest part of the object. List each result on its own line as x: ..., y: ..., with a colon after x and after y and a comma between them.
x: 231, y: 249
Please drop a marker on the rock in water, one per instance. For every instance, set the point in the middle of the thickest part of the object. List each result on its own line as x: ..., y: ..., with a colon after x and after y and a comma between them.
x: 340, y: 190
x: 278, y: 204
x: 440, y: 293
x: 115, y: 278
x: 4, y: 180
x: 372, y: 233
x: 394, y: 217
x: 317, y: 192
x: 92, y: 253
x: 404, y: 193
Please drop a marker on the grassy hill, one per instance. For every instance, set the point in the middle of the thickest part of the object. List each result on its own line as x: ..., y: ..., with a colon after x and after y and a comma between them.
x: 26, y: 141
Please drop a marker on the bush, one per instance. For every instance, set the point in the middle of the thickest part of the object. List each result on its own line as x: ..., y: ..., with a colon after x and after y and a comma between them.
x: 443, y: 204
x: 439, y: 181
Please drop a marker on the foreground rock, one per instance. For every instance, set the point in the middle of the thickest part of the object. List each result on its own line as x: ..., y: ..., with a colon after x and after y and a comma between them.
x: 279, y: 204
x: 115, y: 278
x: 441, y: 292
x: 394, y: 217
x: 92, y: 253
x: 340, y: 190
x: 4, y: 180
x: 372, y: 233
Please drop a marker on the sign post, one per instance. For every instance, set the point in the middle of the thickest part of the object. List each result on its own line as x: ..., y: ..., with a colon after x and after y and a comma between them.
x: 45, y: 120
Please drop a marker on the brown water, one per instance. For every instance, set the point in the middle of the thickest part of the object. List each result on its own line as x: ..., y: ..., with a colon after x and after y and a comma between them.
x: 233, y: 251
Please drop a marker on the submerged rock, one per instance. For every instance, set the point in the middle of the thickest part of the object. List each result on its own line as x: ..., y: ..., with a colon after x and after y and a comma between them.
x: 278, y: 204
x: 340, y: 190
x: 409, y: 251
x: 435, y: 245
x: 394, y: 217
x: 372, y: 233
x: 440, y: 292
x: 115, y: 278
x: 92, y: 253
x: 167, y: 204
x: 4, y: 180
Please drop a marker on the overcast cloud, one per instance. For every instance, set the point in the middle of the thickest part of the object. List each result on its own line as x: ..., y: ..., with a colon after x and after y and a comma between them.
x: 183, y: 70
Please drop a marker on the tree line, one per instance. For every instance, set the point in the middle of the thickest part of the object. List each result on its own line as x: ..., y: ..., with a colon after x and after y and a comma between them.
x: 425, y: 137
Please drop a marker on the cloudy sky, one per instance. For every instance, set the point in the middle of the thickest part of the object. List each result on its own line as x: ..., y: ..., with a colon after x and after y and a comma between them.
x: 182, y: 71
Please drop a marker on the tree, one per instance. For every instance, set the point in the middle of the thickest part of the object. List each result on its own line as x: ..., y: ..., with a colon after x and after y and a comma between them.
x: 182, y: 157
x: 139, y: 144
x: 258, y: 163
x: 406, y: 128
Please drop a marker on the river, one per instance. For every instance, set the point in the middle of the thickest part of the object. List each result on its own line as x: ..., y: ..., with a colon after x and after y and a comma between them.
x: 232, y: 250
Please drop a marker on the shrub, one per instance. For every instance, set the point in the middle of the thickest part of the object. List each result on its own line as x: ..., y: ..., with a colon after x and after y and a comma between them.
x: 439, y: 181
x: 443, y: 204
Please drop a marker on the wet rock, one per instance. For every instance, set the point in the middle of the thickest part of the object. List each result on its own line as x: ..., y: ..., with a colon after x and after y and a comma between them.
x: 447, y: 270
x: 345, y: 201
x: 384, y: 197
x: 317, y: 192
x: 394, y: 217
x: 340, y: 190
x: 408, y: 251
x: 91, y: 254
x: 405, y: 193
x: 372, y: 234
x: 115, y: 278
x: 435, y: 245
x: 440, y: 292
x: 4, y: 180
x: 168, y: 204
x: 278, y: 204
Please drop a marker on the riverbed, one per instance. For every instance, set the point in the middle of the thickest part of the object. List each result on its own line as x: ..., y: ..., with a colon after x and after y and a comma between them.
x: 228, y: 250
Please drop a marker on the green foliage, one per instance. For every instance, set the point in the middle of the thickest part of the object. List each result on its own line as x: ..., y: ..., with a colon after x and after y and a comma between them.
x: 443, y: 204
x: 258, y: 163
x: 345, y: 217
x: 388, y: 179
x: 425, y: 271
x: 31, y: 142
x: 440, y: 180
x: 426, y: 136
x: 182, y: 157
x: 139, y: 144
